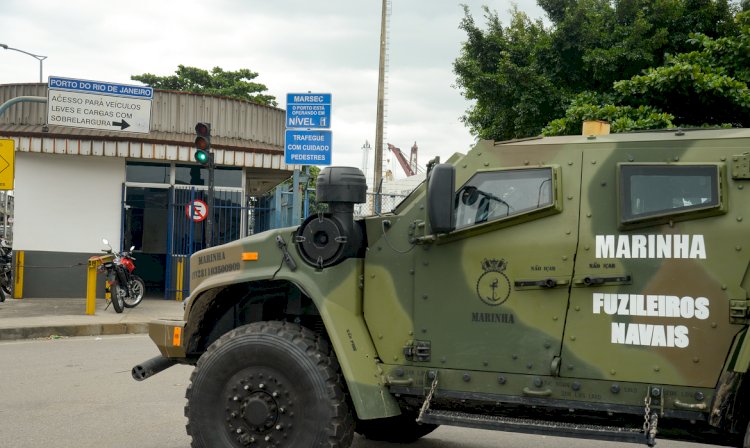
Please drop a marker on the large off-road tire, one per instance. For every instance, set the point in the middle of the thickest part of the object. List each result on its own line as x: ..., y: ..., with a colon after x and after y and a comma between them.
x: 399, y: 429
x: 116, y: 294
x: 268, y: 384
x: 137, y: 288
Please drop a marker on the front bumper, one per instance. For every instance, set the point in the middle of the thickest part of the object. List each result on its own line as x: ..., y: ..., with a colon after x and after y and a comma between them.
x: 167, y: 334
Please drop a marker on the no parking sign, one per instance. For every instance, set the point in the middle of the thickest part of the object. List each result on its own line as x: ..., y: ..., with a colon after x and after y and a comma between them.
x: 197, y: 210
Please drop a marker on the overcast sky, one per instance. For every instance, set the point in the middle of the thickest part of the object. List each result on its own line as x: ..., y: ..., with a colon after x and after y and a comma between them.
x: 327, y: 46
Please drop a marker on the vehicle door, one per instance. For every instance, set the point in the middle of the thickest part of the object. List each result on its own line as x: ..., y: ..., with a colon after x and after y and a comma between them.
x: 492, y: 295
x: 659, y: 261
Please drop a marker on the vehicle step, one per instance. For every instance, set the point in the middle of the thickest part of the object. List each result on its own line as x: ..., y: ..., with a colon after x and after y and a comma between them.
x: 529, y: 426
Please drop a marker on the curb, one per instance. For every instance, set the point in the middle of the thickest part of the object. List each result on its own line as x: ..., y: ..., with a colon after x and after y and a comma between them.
x: 11, y: 334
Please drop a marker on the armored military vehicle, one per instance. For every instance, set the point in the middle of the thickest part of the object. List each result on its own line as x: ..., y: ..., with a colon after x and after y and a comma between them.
x: 587, y: 286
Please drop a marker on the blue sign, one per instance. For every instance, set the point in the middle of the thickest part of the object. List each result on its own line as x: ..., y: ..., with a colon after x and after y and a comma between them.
x: 103, y: 88
x: 303, y: 147
x: 308, y: 110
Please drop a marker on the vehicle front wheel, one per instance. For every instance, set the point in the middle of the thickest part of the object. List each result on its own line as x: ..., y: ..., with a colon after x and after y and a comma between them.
x: 268, y: 384
x: 399, y: 429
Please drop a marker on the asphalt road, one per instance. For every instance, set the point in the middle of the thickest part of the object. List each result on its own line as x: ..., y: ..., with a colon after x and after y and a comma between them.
x: 78, y: 393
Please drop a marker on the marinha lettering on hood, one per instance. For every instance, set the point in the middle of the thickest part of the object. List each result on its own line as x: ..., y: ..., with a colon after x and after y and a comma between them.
x: 211, y: 258
x: 650, y: 246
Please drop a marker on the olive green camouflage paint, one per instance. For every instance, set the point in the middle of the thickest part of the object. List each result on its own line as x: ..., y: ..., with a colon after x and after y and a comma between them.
x: 335, y: 291
x: 541, y: 341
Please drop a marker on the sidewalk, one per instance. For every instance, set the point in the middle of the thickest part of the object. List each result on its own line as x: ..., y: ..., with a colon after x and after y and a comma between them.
x: 43, y: 318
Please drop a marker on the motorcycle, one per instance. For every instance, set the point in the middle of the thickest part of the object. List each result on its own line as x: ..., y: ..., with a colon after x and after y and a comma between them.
x: 6, y: 262
x: 126, y: 289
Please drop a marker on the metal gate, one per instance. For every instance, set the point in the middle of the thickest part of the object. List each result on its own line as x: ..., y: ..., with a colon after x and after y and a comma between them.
x: 187, y: 230
x: 234, y: 216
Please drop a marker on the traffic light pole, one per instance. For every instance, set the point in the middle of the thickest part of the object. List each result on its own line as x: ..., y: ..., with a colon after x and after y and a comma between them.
x: 209, y: 217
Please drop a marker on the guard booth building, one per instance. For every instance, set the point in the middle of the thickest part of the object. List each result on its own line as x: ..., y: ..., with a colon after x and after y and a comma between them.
x: 75, y: 186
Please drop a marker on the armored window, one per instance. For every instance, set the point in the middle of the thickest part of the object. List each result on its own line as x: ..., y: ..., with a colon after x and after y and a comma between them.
x: 495, y: 195
x: 654, y: 191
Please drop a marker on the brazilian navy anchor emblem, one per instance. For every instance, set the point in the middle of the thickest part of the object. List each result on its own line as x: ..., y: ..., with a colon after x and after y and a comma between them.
x: 493, y: 286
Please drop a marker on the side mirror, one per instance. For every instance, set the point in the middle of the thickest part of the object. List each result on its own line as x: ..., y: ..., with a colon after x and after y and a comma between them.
x: 131, y: 248
x: 441, y: 204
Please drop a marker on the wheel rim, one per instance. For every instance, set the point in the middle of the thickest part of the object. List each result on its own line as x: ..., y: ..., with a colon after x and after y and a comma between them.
x: 136, y: 292
x: 259, y: 410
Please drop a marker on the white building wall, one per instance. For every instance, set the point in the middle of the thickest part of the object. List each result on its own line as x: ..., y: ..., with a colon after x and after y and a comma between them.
x: 67, y: 204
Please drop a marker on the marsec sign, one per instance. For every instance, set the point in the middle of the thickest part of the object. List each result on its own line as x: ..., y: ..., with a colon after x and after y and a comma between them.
x: 106, y: 106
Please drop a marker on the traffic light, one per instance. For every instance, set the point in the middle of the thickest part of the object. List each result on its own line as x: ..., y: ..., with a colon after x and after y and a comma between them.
x: 202, y: 143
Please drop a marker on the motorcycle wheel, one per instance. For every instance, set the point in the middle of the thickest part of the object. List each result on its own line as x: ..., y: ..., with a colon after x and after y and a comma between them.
x: 5, y: 282
x: 137, y: 289
x: 118, y: 297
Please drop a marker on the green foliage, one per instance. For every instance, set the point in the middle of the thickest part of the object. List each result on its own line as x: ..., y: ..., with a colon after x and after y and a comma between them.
x: 591, y: 106
x: 523, y: 77
x: 502, y: 70
x: 238, y: 84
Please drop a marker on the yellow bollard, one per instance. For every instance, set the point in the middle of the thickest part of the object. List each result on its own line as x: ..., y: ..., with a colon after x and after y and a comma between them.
x: 18, y: 287
x: 180, y: 275
x: 91, y: 272
x: 94, y: 262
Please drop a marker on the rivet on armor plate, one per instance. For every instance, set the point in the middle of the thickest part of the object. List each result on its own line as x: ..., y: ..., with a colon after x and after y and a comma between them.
x: 696, y: 360
x: 656, y: 368
x: 501, y: 379
x: 576, y: 386
x: 538, y: 382
x: 578, y: 308
x: 738, y: 248
x: 699, y: 396
x: 613, y: 372
x: 467, y: 377
x: 615, y: 388
x: 739, y: 219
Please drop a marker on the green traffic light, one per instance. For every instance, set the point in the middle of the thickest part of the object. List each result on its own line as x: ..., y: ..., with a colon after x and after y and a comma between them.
x: 201, y: 157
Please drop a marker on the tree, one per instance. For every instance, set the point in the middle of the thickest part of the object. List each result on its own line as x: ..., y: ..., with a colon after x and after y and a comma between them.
x: 504, y: 71
x: 238, y: 84
x: 704, y: 87
x: 525, y: 75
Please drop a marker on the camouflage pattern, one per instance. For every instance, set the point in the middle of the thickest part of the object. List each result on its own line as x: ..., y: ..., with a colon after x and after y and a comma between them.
x: 523, y: 305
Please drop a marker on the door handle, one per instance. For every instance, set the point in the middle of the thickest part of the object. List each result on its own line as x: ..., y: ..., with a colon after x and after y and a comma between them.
x: 593, y: 280
x: 543, y: 283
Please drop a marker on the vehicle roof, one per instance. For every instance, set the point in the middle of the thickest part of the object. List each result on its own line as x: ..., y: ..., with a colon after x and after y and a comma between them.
x: 629, y: 137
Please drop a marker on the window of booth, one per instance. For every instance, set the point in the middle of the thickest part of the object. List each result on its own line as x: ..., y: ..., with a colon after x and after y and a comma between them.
x: 198, y: 175
x: 152, y: 173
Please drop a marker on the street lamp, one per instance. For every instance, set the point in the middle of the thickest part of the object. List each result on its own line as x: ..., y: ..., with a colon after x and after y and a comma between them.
x: 35, y: 56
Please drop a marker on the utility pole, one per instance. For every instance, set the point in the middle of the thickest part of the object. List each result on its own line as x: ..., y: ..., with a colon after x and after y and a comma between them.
x: 381, y: 105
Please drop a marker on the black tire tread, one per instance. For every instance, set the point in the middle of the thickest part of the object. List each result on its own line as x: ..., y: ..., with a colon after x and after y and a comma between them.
x: 114, y: 297
x: 341, y: 432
